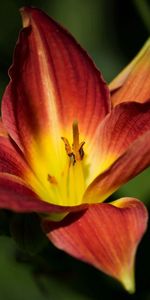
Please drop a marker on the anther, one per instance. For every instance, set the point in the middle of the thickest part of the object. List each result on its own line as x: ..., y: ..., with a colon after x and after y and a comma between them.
x: 75, y: 152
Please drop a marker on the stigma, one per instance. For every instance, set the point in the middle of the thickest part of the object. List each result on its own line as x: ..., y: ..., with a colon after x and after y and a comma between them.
x: 75, y: 152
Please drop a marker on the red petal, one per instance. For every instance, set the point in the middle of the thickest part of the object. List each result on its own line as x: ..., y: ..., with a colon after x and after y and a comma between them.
x: 132, y: 84
x: 117, y: 131
x: 130, y: 164
x: 11, y: 159
x: 53, y: 82
x: 105, y: 236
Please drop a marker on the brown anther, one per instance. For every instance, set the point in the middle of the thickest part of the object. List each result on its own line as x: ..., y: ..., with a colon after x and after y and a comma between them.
x: 52, y: 179
x: 81, y: 151
x: 67, y: 146
x: 72, y: 158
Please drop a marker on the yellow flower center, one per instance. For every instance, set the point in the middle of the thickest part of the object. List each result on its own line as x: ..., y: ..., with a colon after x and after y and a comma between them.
x: 61, y: 172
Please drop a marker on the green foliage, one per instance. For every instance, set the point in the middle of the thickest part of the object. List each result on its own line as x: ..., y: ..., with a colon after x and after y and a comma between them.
x: 137, y: 187
x: 19, y: 282
x: 25, y: 229
x: 5, y: 217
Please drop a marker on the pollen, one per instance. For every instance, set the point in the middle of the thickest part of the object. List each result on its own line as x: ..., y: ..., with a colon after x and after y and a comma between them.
x: 52, y: 179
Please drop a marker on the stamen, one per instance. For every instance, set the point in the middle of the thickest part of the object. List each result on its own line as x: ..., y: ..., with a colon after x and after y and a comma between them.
x: 67, y: 146
x: 75, y: 153
x: 81, y: 151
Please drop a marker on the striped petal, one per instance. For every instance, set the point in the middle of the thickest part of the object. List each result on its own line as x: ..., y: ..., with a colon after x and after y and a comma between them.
x: 128, y: 165
x: 53, y: 82
x: 106, y: 236
x: 117, y: 132
x: 132, y: 84
x: 11, y: 159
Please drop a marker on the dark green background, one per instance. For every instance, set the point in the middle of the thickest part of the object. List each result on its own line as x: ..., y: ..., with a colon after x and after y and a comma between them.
x: 112, y: 31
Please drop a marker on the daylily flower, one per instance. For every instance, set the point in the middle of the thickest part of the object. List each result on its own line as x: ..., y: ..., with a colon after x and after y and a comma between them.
x: 64, y: 150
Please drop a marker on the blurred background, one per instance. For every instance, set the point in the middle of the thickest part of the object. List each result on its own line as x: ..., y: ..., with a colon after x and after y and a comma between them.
x: 112, y: 31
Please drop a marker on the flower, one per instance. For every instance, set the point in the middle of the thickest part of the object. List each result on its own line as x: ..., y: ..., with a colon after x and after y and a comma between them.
x: 64, y: 149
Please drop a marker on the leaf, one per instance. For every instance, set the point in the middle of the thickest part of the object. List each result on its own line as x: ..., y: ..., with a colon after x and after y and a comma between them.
x: 137, y: 187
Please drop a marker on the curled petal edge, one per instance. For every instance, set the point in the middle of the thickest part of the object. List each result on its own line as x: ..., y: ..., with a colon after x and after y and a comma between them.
x: 105, y: 236
x: 132, y: 84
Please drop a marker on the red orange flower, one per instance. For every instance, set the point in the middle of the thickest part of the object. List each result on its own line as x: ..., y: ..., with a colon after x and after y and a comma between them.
x: 63, y: 150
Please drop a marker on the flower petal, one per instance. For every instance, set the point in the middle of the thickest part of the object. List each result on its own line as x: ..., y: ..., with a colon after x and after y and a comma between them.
x: 3, y: 131
x: 132, y: 84
x: 128, y: 165
x: 117, y: 131
x: 16, y: 195
x: 105, y: 236
x: 53, y: 82
x: 11, y: 159
x: 13, y: 162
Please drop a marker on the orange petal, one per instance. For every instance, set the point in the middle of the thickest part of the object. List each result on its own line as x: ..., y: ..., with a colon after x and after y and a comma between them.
x: 16, y: 195
x: 128, y: 165
x: 53, y: 82
x: 117, y: 131
x: 133, y: 83
x: 105, y: 236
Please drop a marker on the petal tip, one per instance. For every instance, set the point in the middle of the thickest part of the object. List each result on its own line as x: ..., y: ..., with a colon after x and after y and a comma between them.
x: 128, y: 281
x: 25, y: 14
